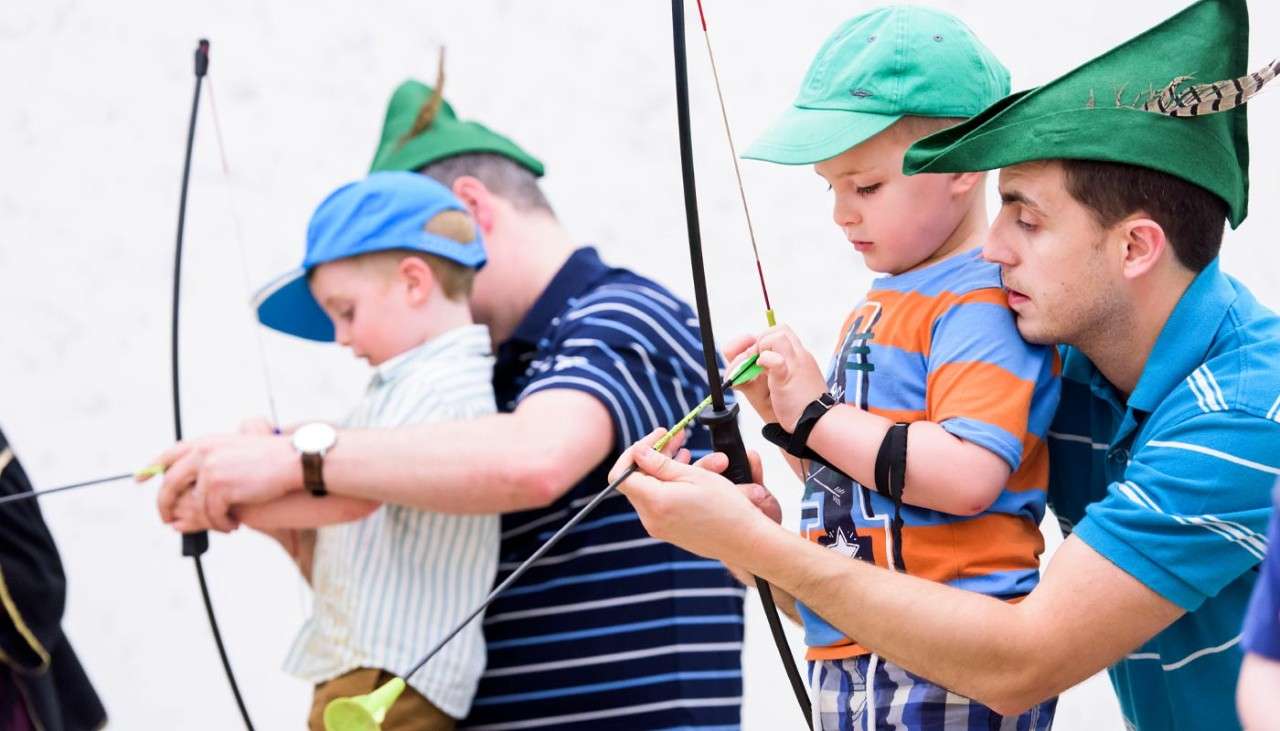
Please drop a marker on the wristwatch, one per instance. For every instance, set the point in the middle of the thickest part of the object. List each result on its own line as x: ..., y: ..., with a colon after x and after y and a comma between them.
x: 312, y: 442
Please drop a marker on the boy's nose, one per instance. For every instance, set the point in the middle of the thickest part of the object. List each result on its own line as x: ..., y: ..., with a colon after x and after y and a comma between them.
x: 845, y: 215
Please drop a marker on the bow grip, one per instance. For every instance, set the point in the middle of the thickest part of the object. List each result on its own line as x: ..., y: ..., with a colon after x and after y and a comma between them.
x: 195, y: 544
x: 727, y: 438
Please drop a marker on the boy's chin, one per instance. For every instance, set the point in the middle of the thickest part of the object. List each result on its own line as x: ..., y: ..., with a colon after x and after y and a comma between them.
x: 880, y: 264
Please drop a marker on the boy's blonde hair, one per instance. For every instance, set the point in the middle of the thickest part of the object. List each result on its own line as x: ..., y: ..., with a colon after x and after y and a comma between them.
x: 915, y: 128
x: 455, y: 280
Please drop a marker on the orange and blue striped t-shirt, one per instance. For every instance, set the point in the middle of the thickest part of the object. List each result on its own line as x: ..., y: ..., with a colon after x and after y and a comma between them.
x: 939, y: 344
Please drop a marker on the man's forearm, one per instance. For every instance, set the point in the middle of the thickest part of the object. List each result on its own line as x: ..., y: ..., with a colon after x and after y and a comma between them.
x: 1006, y: 656
x: 786, y: 604
x: 491, y: 464
x: 971, y: 644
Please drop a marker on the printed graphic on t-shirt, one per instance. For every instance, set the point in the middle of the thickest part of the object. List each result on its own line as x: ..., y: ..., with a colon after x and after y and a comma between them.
x: 825, y: 513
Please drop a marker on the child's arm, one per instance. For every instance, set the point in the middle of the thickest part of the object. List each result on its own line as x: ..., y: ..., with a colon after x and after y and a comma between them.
x: 945, y: 472
x: 301, y: 510
x: 291, y: 520
x: 300, y: 544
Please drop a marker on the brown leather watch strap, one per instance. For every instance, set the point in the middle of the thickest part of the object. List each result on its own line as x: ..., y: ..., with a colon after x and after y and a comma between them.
x: 313, y: 474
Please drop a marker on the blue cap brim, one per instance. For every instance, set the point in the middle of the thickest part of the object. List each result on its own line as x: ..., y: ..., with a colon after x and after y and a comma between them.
x: 287, y: 305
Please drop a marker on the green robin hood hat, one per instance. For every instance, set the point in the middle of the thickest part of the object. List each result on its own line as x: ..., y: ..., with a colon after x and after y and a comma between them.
x: 1170, y: 99
x: 422, y: 128
x: 875, y: 69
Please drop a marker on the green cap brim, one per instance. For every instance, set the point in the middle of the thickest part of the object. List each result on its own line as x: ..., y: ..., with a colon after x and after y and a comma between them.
x: 803, y: 136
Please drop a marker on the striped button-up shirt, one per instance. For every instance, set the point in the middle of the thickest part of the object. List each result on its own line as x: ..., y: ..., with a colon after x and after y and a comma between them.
x: 1173, y: 485
x: 389, y: 586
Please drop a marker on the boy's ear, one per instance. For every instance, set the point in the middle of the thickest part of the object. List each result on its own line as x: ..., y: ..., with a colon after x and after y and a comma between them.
x: 418, y: 279
x: 478, y: 199
x: 963, y: 183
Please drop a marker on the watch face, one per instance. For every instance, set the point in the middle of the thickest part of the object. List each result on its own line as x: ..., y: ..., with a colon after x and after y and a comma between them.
x: 314, y: 438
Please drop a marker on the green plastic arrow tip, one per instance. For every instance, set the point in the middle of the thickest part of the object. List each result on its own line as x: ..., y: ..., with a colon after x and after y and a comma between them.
x: 363, y: 712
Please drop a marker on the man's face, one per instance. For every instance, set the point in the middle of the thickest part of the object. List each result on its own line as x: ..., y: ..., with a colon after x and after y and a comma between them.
x: 1063, y: 281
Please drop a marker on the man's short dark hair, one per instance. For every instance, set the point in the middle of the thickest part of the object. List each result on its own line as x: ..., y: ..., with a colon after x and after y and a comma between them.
x: 501, y: 175
x: 1193, y: 219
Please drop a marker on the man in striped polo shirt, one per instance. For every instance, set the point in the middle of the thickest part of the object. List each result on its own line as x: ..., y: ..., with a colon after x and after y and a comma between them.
x: 613, y: 629
x: 1163, y: 451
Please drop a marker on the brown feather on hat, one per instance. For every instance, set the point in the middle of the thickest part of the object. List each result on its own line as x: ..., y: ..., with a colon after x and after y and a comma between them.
x: 430, y: 108
x: 1210, y: 98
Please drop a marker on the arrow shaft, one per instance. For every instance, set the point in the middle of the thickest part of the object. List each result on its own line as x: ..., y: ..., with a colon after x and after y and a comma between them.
x: 737, y: 169
x: 19, y: 497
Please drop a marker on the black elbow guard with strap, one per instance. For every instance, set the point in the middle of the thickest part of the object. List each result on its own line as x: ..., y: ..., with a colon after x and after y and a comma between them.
x: 891, y: 479
x: 890, y: 469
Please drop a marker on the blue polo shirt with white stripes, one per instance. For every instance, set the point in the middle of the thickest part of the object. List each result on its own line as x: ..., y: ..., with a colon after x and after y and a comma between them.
x: 613, y: 629
x: 1173, y: 485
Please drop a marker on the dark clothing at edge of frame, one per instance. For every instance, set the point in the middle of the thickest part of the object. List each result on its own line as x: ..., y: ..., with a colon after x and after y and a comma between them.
x: 40, y: 667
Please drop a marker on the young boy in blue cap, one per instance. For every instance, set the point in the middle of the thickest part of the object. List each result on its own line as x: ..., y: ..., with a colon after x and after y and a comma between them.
x: 387, y: 273
x: 933, y: 345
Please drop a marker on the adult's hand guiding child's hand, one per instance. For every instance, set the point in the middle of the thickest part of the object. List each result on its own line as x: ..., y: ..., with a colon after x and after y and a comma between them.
x: 210, y: 475
x: 692, y: 505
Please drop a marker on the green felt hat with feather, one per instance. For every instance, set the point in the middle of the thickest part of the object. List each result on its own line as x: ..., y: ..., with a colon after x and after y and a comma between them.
x: 422, y: 128
x: 1171, y: 99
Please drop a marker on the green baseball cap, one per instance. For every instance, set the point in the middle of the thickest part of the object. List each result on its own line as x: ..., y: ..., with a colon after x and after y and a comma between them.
x: 443, y: 136
x: 1135, y: 104
x: 875, y: 69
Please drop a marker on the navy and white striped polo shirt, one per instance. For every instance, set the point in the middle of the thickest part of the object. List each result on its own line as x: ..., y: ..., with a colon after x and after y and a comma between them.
x: 1173, y: 485
x: 613, y: 629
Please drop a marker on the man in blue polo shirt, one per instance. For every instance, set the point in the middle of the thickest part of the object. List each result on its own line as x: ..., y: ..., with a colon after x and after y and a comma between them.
x: 613, y: 629
x: 1164, y: 448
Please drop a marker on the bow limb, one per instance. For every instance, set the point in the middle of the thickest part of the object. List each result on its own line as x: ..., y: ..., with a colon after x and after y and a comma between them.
x: 195, y: 544
x: 722, y: 418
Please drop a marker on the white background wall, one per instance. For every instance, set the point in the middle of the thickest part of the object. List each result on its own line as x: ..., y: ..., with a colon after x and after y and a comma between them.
x: 92, y: 124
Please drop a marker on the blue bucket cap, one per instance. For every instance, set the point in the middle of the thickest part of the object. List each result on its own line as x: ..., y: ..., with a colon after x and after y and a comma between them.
x: 385, y: 211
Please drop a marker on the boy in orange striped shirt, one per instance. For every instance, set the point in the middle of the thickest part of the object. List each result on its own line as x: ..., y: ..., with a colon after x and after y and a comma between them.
x: 933, y: 346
